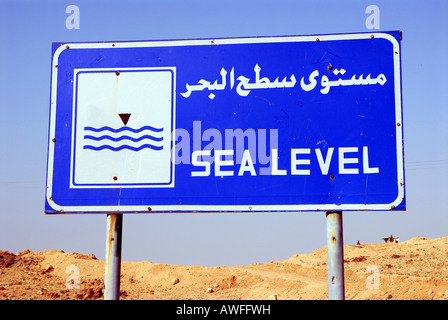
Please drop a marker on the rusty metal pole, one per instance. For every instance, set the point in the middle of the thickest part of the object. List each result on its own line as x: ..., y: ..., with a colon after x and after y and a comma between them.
x: 113, y: 257
x: 335, y: 256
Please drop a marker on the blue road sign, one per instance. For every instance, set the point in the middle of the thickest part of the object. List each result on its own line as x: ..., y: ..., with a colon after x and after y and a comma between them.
x: 297, y: 123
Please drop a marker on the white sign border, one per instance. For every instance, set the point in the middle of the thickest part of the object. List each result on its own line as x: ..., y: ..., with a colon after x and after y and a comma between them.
x: 229, y: 208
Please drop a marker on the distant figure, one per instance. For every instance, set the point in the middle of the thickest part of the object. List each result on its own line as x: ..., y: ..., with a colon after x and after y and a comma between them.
x: 358, y: 243
x: 390, y: 239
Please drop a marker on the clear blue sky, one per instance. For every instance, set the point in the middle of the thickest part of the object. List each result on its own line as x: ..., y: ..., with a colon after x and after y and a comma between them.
x: 27, y: 29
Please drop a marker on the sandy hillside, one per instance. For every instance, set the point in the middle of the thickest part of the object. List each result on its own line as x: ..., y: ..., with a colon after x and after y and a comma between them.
x: 411, y: 270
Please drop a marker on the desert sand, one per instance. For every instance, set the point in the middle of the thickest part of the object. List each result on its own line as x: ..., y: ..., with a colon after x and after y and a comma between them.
x: 416, y: 269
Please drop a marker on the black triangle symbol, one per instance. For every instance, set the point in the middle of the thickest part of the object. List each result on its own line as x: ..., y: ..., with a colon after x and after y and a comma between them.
x: 124, y: 117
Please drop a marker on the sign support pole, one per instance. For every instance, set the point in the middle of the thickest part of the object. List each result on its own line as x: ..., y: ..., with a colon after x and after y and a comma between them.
x: 335, y: 256
x: 113, y: 257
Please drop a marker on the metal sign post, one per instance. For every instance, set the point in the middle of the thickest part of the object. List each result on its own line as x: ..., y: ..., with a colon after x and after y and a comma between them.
x: 335, y: 256
x: 113, y: 257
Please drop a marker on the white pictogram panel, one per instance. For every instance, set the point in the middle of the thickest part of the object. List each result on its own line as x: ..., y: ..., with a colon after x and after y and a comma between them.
x: 123, y: 122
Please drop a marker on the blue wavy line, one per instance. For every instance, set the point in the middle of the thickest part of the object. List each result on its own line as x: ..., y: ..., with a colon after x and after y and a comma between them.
x: 125, y: 146
x: 106, y: 128
x: 122, y: 138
